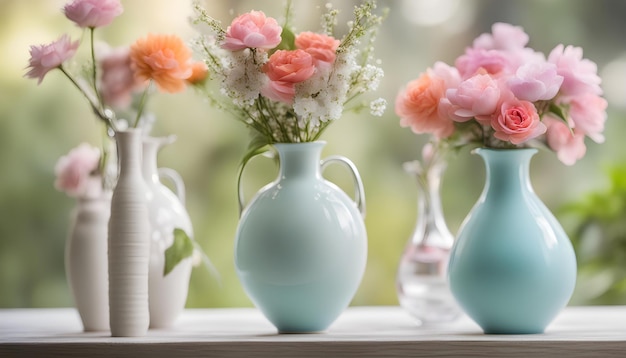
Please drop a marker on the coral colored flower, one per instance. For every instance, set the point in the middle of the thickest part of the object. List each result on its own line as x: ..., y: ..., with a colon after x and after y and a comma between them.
x: 536, y: 81
x: 165, y: 59
x: 418, y: 105
x: 286, y: 68
x: 569, y: 147
x: 199, y: 72
x: 588, y: 112
x: 579, y: 74
x: 477, y: 96
x: 252, y: 30
x: 117, y: 81
x: 73, y: 170
x: 322, y: 47
x: 517, y: 122
x: 93, y: 13
x: 44, y: 58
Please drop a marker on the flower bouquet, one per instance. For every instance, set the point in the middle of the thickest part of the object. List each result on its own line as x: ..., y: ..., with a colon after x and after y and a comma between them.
x: 512, y: 267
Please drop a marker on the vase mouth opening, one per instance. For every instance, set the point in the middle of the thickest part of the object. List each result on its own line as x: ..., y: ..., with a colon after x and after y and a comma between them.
x: 483, y: 150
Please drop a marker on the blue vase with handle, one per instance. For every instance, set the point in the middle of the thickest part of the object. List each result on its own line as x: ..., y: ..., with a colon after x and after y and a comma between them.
x: 301, y: 244
x: 512, y: 268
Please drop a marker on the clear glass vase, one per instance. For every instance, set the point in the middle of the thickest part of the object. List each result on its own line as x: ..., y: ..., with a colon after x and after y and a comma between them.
x: 421, y: 283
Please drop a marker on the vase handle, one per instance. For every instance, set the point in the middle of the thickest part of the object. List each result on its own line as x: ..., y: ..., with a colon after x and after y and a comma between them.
x: 176, y: 180
x: 359, y: 192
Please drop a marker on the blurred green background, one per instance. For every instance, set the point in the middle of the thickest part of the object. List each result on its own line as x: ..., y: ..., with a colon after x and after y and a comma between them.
x: 38, y: 124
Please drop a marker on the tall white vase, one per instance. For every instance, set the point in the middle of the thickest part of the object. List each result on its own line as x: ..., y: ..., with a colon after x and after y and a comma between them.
x: 129, y: 243
x: 86, y: 260
x: 168, y: 294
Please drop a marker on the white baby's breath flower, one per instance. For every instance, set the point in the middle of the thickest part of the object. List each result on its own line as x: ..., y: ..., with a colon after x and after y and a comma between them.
x: 378, y: 106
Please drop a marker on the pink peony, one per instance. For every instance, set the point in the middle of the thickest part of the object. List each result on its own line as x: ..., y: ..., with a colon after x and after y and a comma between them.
x: 117, y: 82
x: 93, y: 13
x: 321, y: 47
x: 588, y: 112
x: 420, y: 106
x: 252, y: 30
x: 568, y: 147
x: 284, y: 69
x: 535, y: 81
x: 477, y: 97
x: 503, y: 36
x: 517, y: 122
x: 73, y: 171
x: 476, y: 61
x: 579, y: 74
x: 44, y: 58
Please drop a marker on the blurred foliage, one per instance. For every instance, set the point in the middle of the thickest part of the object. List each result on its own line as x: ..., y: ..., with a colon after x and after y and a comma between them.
x: 38, y: 124
x: 599, y: 238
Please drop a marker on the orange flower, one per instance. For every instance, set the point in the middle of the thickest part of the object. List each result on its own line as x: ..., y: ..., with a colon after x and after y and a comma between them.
x: 199, y: 73
x: 164, y: 59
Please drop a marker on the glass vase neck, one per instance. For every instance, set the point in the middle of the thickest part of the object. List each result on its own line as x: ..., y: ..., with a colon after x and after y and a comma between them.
x: 299, y: 159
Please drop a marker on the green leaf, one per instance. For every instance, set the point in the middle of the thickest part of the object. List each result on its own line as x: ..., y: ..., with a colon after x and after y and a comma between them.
x: 558, y: 111
x: 181, y: 248
x: 288, y: 40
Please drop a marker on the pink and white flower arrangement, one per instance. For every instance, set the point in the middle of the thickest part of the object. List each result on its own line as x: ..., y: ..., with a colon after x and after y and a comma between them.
x: 288, y: 87
x: 502, y: 94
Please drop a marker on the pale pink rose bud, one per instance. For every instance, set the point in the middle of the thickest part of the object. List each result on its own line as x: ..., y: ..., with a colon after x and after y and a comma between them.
x: 252, y: 30
x: 588, y: 112
x: 579, y: 74
x: 322, y: 47
x: 535, y: 81
x: 93, y: 13
x: 517, y: 122
x: 477, y: 96
x: 73, y: 171
x: 44, y: 58
x: 569, y: 147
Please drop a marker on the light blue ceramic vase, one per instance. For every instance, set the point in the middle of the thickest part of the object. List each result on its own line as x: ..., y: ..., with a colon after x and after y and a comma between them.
x: 301, y: 244
x: 512, y: 267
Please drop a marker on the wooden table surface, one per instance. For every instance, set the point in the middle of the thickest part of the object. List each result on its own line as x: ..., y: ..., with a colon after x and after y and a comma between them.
x: 593, y: 331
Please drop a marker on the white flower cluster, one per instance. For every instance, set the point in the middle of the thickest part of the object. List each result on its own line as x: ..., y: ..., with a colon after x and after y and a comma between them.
x: 243, y: 79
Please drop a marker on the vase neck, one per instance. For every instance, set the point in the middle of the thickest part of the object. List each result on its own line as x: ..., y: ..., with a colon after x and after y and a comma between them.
x: 507, y: 170
x: 129, y: 151
x: 151, y: 147
x: 299, y: 159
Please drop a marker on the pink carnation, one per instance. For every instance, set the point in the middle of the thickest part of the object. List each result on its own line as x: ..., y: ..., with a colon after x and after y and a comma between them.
x: 536, y: 81
x: 252, y: 30
x: 321, y: 47
x: 588, y: 112
x: 74, y: 170
x: 517, y: 122
x: 93, y: 13
x: 569, y: 147
x: 285, y: 69
x: 579, y: 74
x: 118, y: 81
x: 44, y: 58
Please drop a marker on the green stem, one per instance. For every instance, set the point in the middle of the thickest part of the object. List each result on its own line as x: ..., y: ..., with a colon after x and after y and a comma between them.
x: 94, y: 70
x: 142, y: 104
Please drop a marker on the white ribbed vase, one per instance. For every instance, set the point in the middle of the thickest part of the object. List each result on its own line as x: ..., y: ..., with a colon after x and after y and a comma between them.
x: 129, y: 244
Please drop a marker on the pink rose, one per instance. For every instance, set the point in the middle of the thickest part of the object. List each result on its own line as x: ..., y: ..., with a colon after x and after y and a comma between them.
x: 285, y: 69
x: 419, y: 104
x: 44, y: 58
x: 477, y: 97
x: 252, y: 30
x: 73, y: 171
x: 118, y: 81
x: 321, y: 47
x: 517, y: 122
x: 579, y: 74
x: 568, y: 147
x: 588, y: 112
x: 535, y: 81
x: 503, y: 36
x: 93, y: 13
